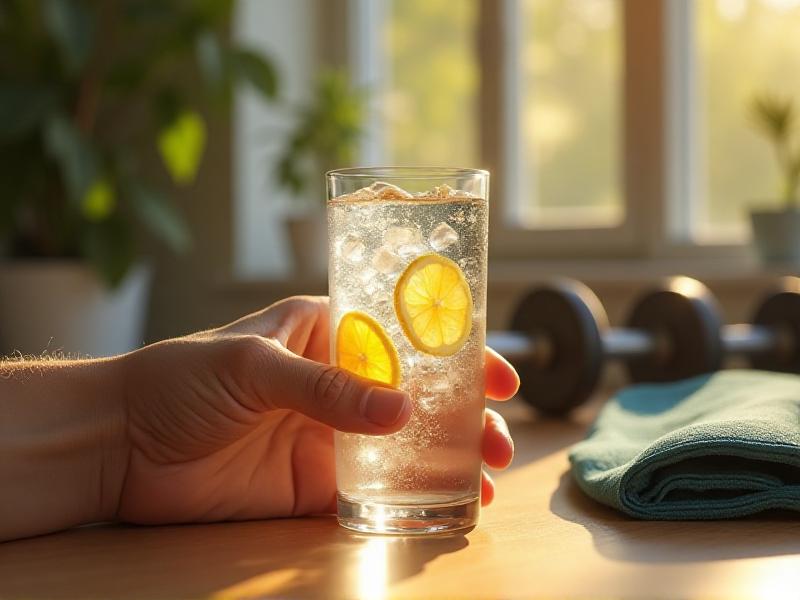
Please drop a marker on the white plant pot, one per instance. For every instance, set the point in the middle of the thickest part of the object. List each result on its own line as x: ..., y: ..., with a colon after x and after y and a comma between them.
x: 776, y: 235
x: 308, y: 237
x: 51, y: 306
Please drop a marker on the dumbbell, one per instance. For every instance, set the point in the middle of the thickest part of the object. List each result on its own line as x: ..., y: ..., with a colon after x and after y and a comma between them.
x: 559, y: 338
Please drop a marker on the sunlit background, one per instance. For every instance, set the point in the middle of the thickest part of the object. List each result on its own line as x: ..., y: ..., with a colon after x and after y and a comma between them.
x: 621, y: 136
x: 569, y: 72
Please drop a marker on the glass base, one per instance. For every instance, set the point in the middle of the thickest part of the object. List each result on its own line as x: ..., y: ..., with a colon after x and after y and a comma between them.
x: 407, y: 519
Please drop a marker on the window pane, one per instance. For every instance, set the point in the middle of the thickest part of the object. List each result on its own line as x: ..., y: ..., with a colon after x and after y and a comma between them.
x: 430, y: 98
x: 744, y: 48
x: 569, y: 123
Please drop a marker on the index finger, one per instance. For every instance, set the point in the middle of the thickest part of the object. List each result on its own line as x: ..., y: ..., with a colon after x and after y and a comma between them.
x: 502, y: 381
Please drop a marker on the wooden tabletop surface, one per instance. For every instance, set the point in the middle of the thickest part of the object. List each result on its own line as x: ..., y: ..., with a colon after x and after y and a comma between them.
x: 541, y: 537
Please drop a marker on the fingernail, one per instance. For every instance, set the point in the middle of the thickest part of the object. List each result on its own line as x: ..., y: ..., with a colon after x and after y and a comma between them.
x: 383, y: 406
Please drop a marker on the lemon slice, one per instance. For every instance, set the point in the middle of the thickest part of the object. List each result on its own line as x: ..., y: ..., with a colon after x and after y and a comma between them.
x: 434, y: 305
x: 363, y: 348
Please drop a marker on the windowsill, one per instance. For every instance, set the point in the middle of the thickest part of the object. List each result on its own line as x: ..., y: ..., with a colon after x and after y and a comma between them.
x: 637, y: 270
x: 516, y: 272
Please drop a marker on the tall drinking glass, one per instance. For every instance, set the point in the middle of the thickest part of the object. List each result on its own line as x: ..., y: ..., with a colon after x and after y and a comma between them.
x: 407, y: 282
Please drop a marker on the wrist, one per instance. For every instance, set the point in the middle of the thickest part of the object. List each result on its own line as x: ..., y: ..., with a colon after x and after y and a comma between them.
x: 63, y: 446
x: 111, y: 435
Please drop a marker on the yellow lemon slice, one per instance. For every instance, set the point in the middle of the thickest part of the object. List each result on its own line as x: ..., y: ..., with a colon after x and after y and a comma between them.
x: 363, y: 348
x: 434, y: 305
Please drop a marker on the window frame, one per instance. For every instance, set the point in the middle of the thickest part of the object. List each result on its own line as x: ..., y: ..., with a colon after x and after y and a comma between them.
x: 658, y: 137
x: 499, y: 38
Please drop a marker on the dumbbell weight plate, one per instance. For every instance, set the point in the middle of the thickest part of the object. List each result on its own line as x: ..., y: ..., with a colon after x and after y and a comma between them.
x: 683, y: 318
x: 569, y: 318
x: 780, y: 312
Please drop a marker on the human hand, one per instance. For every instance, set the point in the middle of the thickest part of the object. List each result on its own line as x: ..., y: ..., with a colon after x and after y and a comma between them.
x: 237, y: 422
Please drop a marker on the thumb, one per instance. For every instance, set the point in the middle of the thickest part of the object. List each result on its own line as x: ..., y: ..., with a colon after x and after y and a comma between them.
x: 332, y: 395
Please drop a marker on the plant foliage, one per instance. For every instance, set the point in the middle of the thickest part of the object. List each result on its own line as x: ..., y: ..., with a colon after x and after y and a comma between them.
x: 325, y: 135
x: 776, y: 117
x: 89, y: 89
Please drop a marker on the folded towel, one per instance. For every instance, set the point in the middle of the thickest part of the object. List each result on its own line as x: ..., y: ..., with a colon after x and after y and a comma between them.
x: 712, y: 447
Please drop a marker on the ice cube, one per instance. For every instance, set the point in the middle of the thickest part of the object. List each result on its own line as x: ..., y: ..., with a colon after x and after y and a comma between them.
x: 388, y: 191
x: 394, y: 237
x: 442, y: 237
x: 428, y: 379
x: 362, y: 194
x: 386, y: 261
x: 430, y: 386
x: 372, y: 287
x: 411, y: 250
x: 367, y: 274
x: 352, y: 249
x: 441, y: 191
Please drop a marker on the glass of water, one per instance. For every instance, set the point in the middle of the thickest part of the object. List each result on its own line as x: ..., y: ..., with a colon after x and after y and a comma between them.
x: 407, y: 282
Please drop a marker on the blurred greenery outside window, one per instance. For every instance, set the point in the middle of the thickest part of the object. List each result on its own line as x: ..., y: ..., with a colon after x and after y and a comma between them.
x: 743, y: 47
x: 569, y: 82
x: 570, y: 76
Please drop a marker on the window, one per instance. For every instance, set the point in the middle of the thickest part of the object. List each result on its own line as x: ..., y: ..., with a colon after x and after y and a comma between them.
x: 430, y: 98
x: 742, y: 47
x: 569, y: 70
x: 422, y: 78
x: 565, y: 144
x: 615, y: 128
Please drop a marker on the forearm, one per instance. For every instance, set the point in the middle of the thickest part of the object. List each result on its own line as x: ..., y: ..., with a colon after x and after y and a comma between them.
x: 62, y: 449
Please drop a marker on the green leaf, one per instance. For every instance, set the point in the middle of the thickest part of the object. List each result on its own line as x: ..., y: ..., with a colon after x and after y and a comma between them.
x: 326, y: 132
x: 109, y: 247
x: 212, y: 12
x: 774, y: 115
x: 159, y: 215
x: 99, y: 201
x: 252, y: 67
x: 73, y: 153
x: 181, y: 144
x: 22, y: 109
x: 72, y: 25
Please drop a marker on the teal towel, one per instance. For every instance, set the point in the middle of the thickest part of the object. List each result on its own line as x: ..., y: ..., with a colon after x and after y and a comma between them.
x: 713, y: 447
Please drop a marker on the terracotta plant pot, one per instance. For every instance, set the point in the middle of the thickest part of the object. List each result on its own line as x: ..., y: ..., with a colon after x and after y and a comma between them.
x: 308, y: 238
x: 776, y: 235
x: 62, y: 306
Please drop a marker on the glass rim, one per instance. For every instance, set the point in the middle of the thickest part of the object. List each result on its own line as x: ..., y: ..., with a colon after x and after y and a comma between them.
x: 413, y: 172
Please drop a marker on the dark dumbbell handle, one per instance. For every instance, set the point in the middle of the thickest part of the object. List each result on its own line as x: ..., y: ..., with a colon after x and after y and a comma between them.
x: 617, y: 343
x: 515, y: 346
x: 750, y: 340
x: 623, y: 342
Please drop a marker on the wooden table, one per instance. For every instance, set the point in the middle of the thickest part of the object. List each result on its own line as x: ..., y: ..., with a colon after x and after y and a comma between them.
x: 541, y: 537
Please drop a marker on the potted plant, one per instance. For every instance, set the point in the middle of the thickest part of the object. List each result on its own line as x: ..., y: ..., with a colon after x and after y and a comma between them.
x: 776, y: 233
x: 325, y: 136
x: 90, y: 92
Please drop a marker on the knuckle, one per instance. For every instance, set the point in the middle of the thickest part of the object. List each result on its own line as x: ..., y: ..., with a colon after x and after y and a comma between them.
x: 242, y: 354
x: 245, y: 347
x: 293, y: 303
x: 330, y: 385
